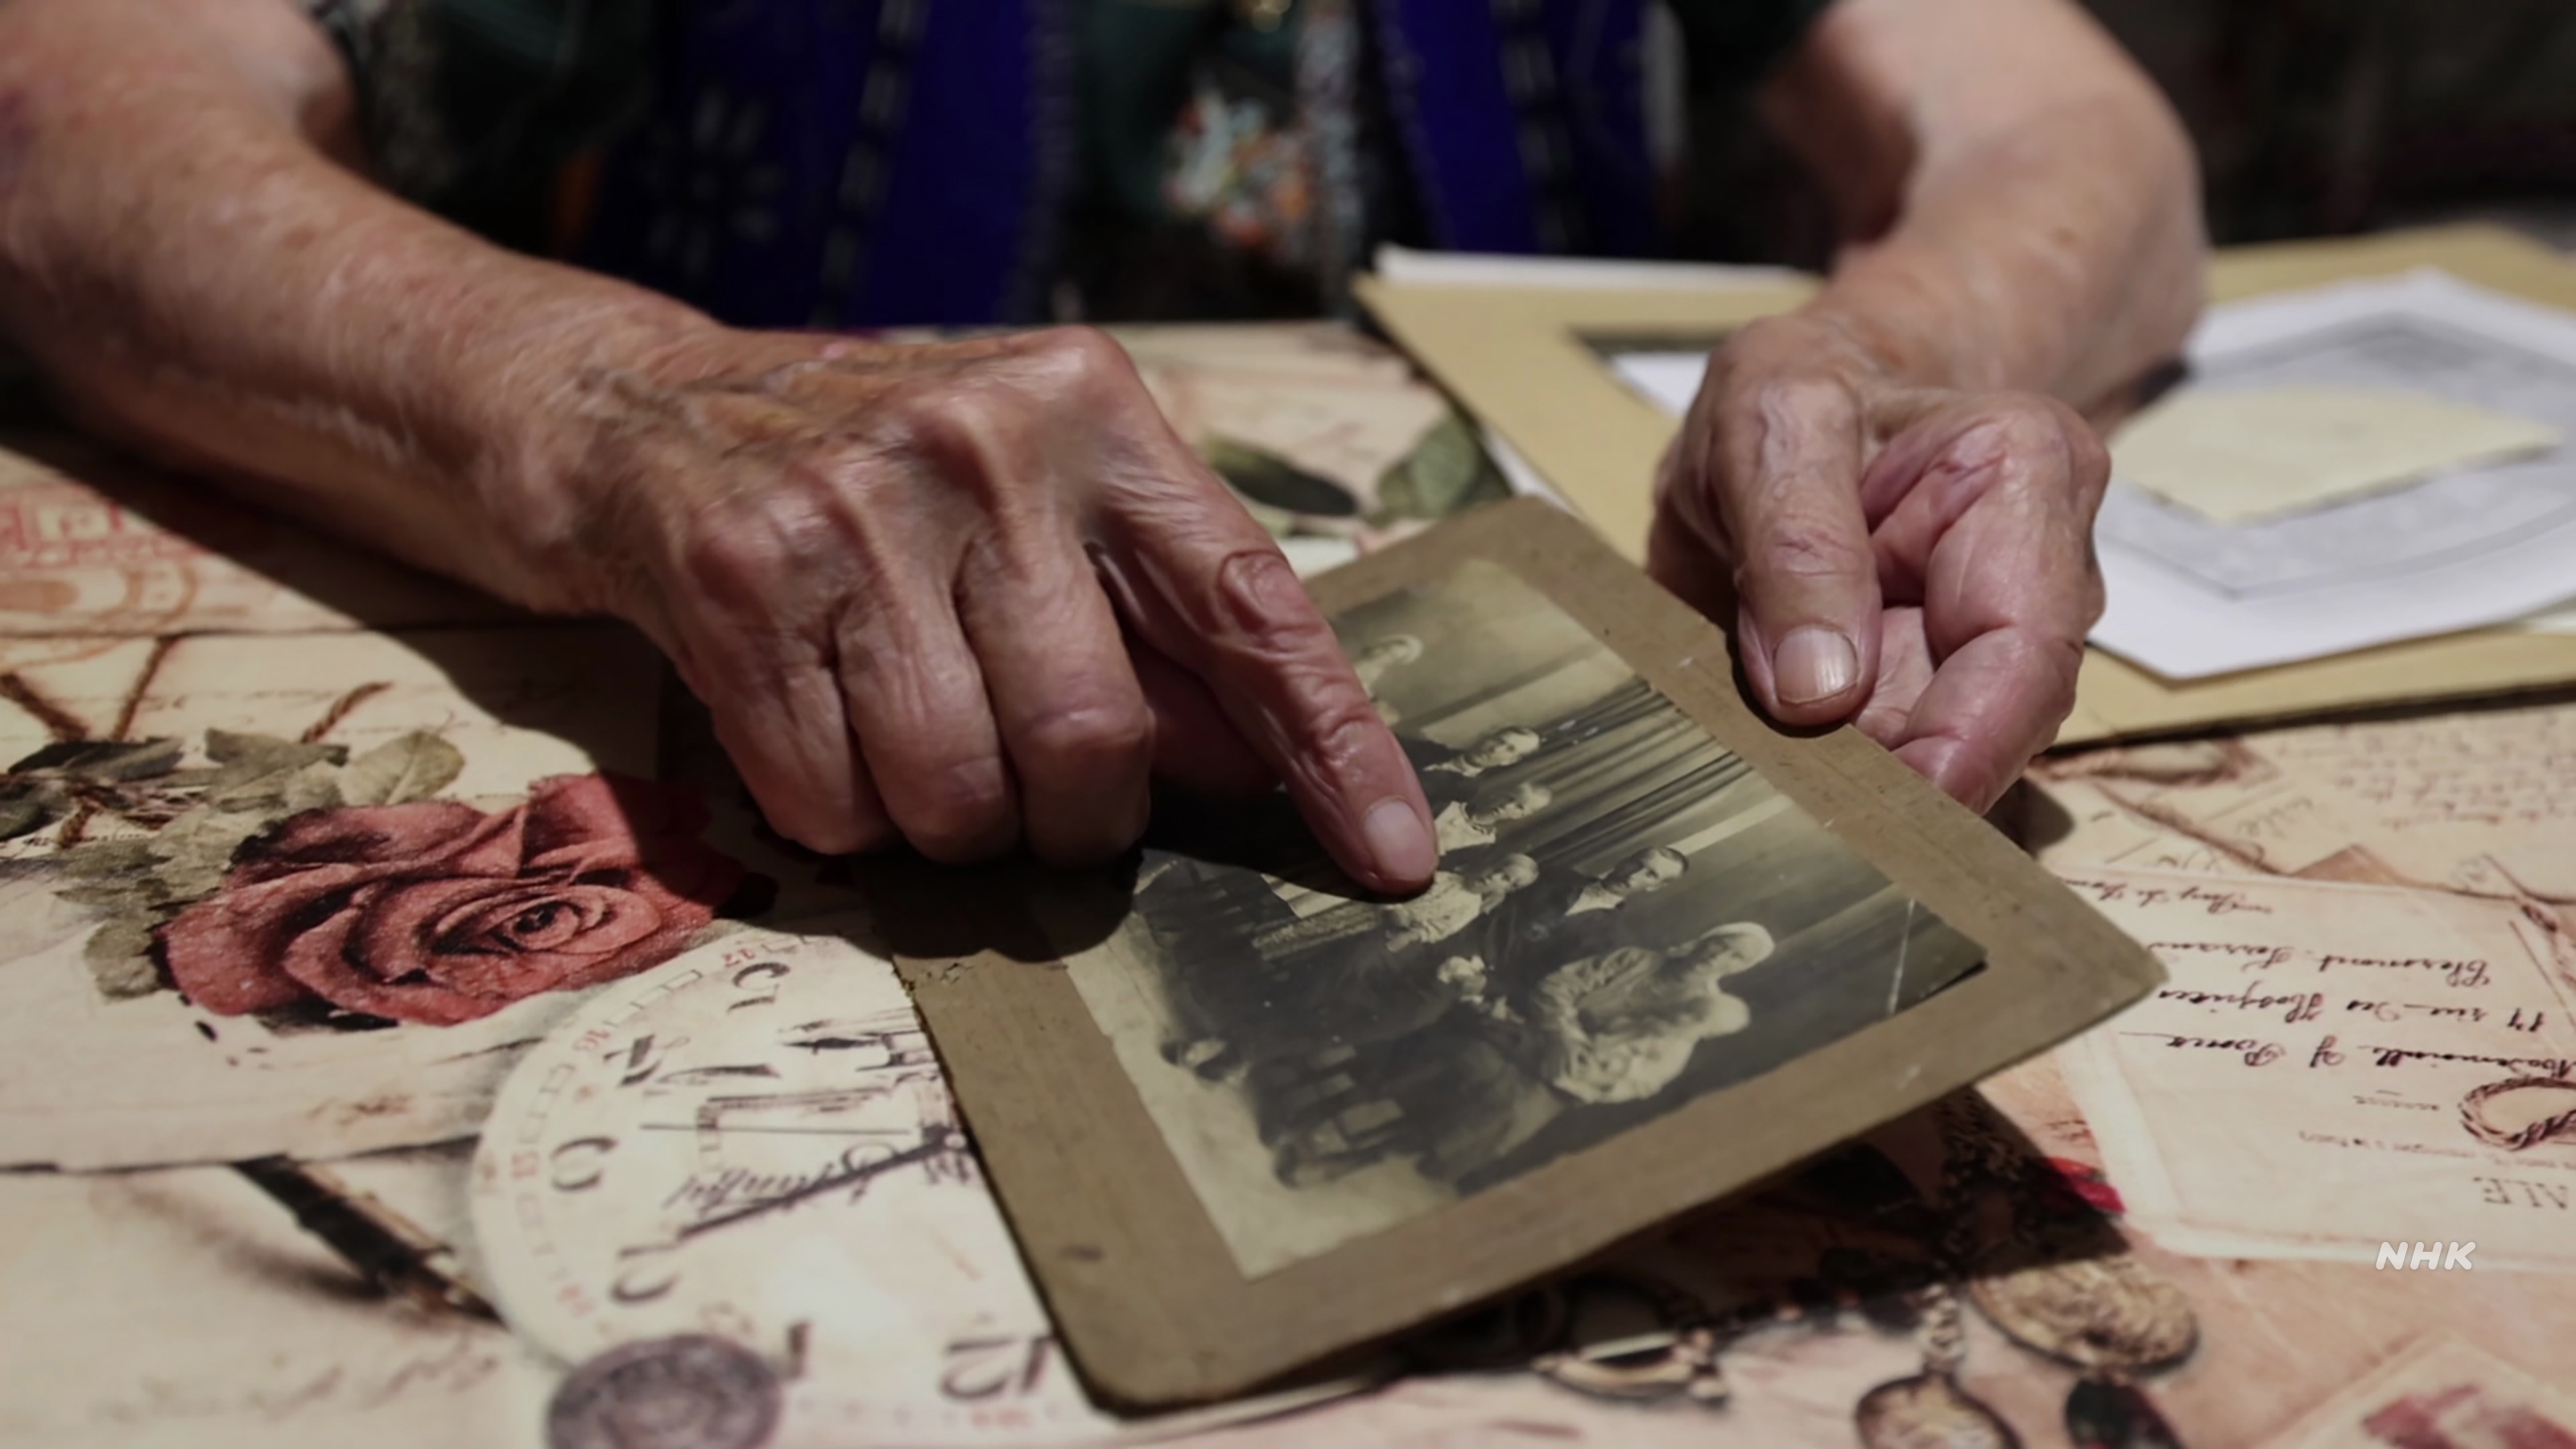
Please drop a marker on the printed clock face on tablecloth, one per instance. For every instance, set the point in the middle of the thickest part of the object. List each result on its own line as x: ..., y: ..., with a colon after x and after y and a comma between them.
x: 754, y: 1141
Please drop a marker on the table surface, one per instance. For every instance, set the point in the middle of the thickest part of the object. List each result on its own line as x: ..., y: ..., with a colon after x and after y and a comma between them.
x: 2110, y: 1232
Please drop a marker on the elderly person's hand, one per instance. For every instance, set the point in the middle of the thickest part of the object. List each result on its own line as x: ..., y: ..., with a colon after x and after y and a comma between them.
x: 1915, y: 559
x: 967, y: 594
x: 1890, y: 492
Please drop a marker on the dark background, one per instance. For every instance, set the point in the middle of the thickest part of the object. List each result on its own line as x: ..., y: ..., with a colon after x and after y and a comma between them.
x: 2312, y: 117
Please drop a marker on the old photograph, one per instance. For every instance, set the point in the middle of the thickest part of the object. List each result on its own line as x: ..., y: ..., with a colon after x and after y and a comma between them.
x: 1628, y: 917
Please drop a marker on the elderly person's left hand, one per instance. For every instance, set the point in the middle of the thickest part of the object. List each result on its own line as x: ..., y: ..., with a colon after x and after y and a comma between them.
x: 1915, y: 559
x: 1891, y: 492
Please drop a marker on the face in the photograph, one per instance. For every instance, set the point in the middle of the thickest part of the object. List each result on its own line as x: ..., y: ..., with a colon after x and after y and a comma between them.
x: 1648, y: 870
x: 1504, y: 748
x: 1511, y: 873
x: 1727, y: 950
x: 1521, y: 804
x: 1392, y: 652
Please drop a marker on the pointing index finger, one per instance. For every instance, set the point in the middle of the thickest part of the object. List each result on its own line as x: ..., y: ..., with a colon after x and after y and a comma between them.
x: 1200, y: 582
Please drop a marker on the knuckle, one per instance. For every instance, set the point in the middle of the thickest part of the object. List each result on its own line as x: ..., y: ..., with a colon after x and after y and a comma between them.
x: 734, y: 554
x: 1084, y: 742
x: 2030, y: 428
x: 2092, y: 597
x: 1074, y: 360
x: 1806, y: 547
x: 960, y: 423
x: 1261, y: 603
x: 955, y: 808
x: 2027, y: 427
x: 2061, y: 665
x: 1786, y: 415
x: 1761, y: 338
x: 1342, y: 726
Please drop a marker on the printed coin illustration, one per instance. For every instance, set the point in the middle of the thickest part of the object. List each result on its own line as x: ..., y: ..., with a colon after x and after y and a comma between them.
x: 692, y: 1391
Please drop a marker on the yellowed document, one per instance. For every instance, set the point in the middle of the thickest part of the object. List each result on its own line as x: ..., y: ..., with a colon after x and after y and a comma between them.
x: 155, y: 1310
x: 2322, y: 1074
x: 2247, y: 454
x: 2483, y: 803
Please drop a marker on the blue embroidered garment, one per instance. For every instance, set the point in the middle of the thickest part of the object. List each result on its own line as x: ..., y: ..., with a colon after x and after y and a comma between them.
x: 903, y: 162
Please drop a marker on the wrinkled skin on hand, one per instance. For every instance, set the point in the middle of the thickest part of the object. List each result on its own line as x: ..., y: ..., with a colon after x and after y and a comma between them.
x: 969, y: 595
x: 1915, y: 560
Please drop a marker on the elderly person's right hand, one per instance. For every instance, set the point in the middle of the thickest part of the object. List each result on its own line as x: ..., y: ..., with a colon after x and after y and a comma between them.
x: 967, y: 594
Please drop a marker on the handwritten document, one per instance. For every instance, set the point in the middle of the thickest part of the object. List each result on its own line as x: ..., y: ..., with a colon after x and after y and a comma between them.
x: 2297, y: 1088
x: 2442, y: 1390
x: 183, y: 1307
x: 2484, y: 802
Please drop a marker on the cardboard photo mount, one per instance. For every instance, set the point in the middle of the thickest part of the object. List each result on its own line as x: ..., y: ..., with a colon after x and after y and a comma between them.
x: 1145, y: 1293
x: 1520, y: 359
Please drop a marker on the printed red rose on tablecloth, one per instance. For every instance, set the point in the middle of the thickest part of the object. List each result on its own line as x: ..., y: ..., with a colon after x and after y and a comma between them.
x: 435, y: 912
x: 2085, y: 1185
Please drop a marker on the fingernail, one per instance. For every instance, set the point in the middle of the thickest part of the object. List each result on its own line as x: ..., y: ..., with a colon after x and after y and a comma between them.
x: 1399, y: 839
x: 1812, y: 664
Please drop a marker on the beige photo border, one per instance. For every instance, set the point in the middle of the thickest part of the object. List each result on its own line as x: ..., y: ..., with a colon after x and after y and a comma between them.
x: 1144, y: 1291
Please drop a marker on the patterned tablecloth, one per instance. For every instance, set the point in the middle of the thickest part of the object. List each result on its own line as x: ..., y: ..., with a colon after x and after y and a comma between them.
x: 274, y: 808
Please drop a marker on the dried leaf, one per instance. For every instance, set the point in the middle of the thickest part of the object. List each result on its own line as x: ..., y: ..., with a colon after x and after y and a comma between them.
x: 29, y: 805
x: 106, y: 762
x: 196, y: 859
x: 414, y: 767
x: 1447, y: 472
x: 1265, y: 477
x: 315, y: 787
x: 268, y: 752
x: 119, y: 956
x: 111, y: 859
x: 255, y: 769
x: 119, y: 897
x: 240, y: 788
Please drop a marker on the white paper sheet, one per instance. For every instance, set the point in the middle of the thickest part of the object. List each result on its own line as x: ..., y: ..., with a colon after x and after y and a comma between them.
x: 1413, y: 268
x: 2190, y: 598
x: 2554, y: 621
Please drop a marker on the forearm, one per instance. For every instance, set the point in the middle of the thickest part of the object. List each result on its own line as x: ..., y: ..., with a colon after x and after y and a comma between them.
x: 2021, y: 209
x: 195, y: 272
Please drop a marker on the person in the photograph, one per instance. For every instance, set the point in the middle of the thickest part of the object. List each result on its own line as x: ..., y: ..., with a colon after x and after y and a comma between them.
x: 1374, y: 663
x: 1453, y: 902
x: 1619, y: 1027
x: 1465, y: 826
x: 1355, y: 971
x: 1478, y: 1082
x: 1451, y: 776
x: 1569, y: 915
x: 1383, y: 657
